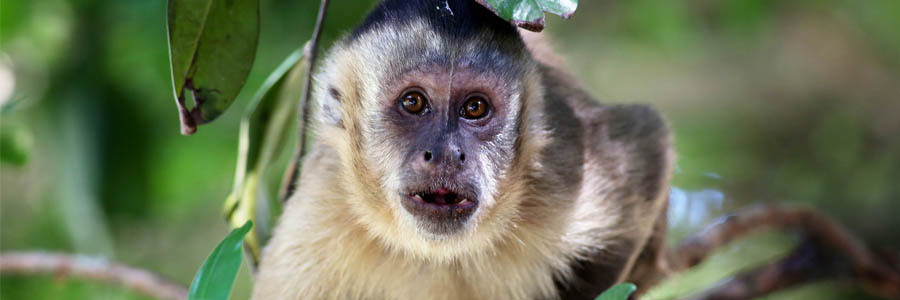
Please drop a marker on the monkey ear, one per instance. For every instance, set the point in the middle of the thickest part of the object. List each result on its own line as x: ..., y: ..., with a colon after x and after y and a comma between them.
x: 330, y: 105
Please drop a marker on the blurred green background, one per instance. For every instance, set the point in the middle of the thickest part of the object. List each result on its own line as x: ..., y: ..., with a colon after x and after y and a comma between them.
x: 791, y: 101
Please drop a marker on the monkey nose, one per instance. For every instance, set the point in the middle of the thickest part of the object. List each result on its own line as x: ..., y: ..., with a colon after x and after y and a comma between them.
x: 454, y: 155
x: 457, y: 154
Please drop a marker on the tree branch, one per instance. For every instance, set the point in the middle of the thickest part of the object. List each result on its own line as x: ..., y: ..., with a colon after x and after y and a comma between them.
x: 288, y: 184
x: 94, y: 268
x: 805, y: 264
x: 828, y: 250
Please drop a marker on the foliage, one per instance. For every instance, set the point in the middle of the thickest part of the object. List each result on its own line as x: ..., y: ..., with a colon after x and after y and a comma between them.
x: 263, y: 136
x: 618, y: 292
x: 212, y: 45
x: 16, y: 140
x: 529, y: 14
x: 16, y: 143
x: 216, y: 277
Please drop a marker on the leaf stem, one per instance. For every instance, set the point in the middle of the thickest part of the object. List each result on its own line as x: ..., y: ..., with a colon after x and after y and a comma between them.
x: 188, y: 126
x: 288, y: 185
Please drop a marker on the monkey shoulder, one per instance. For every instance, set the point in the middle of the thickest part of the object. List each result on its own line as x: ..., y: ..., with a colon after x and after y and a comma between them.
x: 625, y: 157
x: 629, y: 144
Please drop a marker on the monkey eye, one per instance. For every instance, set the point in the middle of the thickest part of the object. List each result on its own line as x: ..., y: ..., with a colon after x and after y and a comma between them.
x: 476, y: 107
x: 413, y: 102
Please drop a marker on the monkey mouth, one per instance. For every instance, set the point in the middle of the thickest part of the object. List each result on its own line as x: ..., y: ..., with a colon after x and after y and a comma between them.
x: 442, y: 197
x: 441, y: 211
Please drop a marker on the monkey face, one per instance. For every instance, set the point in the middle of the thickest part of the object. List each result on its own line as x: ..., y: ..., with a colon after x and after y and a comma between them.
x: 430, y: 126
x: 449, y: 133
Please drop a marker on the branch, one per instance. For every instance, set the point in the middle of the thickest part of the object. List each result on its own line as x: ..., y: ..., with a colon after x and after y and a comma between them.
x: 288, y: 184
x: 94, y: 268
x: 825, y: 243
x: 803, y: 265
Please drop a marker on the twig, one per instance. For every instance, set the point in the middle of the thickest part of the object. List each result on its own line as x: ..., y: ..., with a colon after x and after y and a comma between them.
x: 95, y: 268
x: 805, y: 264
x: 877, y: 273
x: 694, y: 249
x: 188, y: 126
x: 288, y: 184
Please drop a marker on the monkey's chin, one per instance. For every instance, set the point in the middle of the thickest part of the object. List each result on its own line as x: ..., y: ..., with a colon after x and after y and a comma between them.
x: 440, y: 212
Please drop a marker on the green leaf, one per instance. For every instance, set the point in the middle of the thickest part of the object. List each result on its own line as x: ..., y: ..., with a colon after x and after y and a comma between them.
x: 264, y: 134
x: 618, y: 292
x: 15, y: 144
x: 273, y: 112
x: 212, y: 44
x: 529, y: 14
x: 216, y: 277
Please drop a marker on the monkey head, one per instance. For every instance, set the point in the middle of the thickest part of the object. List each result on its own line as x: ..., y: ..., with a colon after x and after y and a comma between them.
x: 432, y: 110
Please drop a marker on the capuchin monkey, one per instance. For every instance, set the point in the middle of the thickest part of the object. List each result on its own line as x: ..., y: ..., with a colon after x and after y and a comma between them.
x: 454, y: 160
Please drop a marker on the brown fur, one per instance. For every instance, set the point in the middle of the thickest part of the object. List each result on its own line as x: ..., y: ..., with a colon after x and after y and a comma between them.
x: 581, y: 205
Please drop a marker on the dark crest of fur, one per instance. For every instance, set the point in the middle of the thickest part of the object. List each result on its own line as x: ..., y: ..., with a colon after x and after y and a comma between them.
x: 455, y: 19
